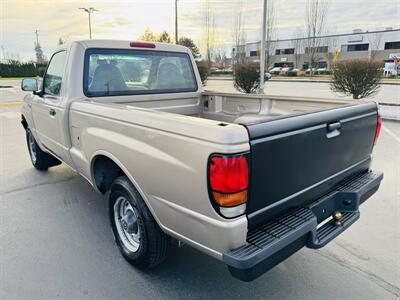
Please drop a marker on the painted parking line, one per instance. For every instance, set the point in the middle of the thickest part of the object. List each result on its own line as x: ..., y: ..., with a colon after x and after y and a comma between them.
x: 391, y: 133
x: 10, y: 103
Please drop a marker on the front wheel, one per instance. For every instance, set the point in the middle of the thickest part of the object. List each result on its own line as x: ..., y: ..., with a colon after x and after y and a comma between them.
x: 40, y: 159
x: 138, y: 236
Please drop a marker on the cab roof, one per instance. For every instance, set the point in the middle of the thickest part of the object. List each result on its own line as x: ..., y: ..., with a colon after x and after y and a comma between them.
x: 125, y: 44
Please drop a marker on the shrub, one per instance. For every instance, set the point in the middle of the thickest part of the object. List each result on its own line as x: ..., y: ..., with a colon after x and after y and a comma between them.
x: 324, y: 72
x: 359, y: 78
x: 202, y: 66
x: 291, y: 73
x: 221, y: 72
x: 18, y: 69
x: 301, y: 74
x: 247, y: 77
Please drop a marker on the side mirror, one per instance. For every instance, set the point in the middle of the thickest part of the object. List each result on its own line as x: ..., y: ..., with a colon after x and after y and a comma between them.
x: 29, y: 84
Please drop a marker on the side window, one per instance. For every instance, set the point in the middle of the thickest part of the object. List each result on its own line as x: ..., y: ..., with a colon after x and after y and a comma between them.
x: 53, y: 77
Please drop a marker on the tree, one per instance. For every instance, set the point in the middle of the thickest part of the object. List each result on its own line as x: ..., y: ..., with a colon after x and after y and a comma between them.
x: 187, y: 42
x: 239, y: 35
x: 220, y: 57
x: 202, y: 66
x: 359, y: 78
x: 332, y: 43
x: 209, y: 32
x: 164, y: 37
x: 148, y: 35
x: 374, y: 43
x: 40, y: 58
x: 247, y: 77
x: 297, y: 44
x: 270, y: 32
x: 316, y: 11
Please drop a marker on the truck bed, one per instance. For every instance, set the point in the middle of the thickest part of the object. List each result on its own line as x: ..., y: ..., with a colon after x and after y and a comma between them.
x: 229, y: 107
x: 300, y: 148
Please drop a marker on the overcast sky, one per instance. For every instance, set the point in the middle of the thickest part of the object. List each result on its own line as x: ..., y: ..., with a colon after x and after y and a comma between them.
x: 128, y: 19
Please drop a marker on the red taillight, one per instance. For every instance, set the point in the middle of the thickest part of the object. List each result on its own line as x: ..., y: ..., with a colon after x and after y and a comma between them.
x: 378, y: 129
x: 229, y: 174
x: 229, y: 179
x: 142, y: 45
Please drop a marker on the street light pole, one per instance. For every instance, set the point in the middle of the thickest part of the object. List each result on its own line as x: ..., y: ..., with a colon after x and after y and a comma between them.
x: 176, y: 21
x: 262, y: 52
x: 89, y: 11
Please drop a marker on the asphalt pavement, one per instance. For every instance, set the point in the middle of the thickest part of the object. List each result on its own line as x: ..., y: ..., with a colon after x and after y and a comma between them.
x: 387, y: 93
x: 55, y: 241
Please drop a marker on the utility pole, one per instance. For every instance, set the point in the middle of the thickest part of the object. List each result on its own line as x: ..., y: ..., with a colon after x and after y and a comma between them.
x: 176, y: 21
x: 37, y: 37
x: 89, y: 11
x: 262, y: 52
x: 4, y: 54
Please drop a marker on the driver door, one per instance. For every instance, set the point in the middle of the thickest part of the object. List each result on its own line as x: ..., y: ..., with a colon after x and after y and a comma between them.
x: 46, y: 108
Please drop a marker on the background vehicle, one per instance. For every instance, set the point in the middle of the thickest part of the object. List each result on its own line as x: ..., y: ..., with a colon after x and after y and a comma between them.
x: 275, y: 70
x: 243, y: 178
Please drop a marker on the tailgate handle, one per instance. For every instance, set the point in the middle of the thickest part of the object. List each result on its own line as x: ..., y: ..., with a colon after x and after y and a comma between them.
x: 333, y: 129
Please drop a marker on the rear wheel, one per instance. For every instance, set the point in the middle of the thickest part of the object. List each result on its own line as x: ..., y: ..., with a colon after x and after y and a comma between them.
x: 40, y: 159
x: 137, y: 234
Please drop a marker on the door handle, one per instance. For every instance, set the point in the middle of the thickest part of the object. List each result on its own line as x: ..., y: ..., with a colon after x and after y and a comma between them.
x: 52, y: 112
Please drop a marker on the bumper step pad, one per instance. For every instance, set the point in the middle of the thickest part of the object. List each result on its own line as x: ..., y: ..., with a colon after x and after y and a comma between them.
x: 271, y: 243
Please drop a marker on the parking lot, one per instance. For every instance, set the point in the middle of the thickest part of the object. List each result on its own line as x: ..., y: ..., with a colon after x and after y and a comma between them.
x: 55, y: 239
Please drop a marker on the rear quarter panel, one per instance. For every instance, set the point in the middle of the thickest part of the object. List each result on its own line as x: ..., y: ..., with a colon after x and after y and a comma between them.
x: 165, y: 155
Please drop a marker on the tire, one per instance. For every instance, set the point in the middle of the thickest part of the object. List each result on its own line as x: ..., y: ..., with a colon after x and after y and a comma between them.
x: 136, y: 233
x: 40, y: 159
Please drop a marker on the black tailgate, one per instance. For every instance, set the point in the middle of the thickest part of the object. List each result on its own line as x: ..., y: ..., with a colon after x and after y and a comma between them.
x: 296, y: 159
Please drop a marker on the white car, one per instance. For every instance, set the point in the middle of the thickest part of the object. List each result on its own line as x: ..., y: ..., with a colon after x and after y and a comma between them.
x: 275, y: 70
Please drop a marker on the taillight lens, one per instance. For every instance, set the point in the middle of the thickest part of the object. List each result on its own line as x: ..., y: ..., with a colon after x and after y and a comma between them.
x: 229, y: 180
x: 229, y: 174
x: 378, y: 129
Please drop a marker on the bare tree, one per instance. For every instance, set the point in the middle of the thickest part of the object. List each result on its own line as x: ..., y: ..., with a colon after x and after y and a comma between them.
x: 297, y: 44
x: 220, y: 57
x: 374, y: 43
x: 40, y: 58
x: 239, y: 35
x: 332, y: 44
x: 209, y: 32
x: 270, y: 32
x: 148, y: 35
x: 61, y: 41
x: 12, y: 57
x: 164, y: 37
x: 316, y: 11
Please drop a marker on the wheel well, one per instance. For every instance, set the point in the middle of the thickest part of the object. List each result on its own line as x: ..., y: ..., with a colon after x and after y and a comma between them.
x: 105, y: 171
x: 23, y: 122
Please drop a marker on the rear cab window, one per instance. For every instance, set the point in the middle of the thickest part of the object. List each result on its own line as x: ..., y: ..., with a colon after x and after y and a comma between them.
x: 113, y: 72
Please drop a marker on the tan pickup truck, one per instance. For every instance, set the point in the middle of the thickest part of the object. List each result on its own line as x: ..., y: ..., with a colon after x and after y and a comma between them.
x: 247, y: 179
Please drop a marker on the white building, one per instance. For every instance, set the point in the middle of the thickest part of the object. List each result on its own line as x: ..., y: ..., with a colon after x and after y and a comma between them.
x: 377, y: 45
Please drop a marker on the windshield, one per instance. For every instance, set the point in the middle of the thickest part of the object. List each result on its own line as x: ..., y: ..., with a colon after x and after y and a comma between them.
x: 110, y: 72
